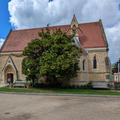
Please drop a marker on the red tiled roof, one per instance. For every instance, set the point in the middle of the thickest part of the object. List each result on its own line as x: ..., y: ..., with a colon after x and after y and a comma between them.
x: 90, y: 36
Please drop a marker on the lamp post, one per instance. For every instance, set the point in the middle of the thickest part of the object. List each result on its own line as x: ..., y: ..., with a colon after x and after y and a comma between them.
x: 118, y: 69
x: 119, y: 66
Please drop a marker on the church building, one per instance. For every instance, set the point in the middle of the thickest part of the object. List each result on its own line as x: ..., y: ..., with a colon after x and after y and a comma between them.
x: 94, y: 63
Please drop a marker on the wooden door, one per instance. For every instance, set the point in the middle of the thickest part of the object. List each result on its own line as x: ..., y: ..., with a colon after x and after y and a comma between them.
x: 10, y: 75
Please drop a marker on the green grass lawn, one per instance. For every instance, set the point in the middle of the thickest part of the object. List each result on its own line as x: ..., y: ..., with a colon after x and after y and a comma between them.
x: 61, y: 91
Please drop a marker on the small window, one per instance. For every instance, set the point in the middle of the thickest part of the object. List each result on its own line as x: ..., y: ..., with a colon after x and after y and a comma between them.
x: 94, y: 62
x: 83, y: 65
x: 107, y: 76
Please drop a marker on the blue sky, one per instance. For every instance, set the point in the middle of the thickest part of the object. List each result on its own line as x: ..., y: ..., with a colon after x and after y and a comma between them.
x: 5, y: 25
x: 23, y: 14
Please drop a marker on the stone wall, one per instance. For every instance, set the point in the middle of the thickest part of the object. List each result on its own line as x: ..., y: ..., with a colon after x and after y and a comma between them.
x: 17, y: 60
x: 84, y: 76
x: 98, y: 74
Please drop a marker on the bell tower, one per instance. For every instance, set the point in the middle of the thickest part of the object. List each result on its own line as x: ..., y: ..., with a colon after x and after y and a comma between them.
x: 74, y: 22
x: 74, y: 26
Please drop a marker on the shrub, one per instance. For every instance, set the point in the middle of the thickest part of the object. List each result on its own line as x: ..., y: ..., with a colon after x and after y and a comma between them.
x: 110, y: 85
x: 19, y: 80
x: 28, y: 83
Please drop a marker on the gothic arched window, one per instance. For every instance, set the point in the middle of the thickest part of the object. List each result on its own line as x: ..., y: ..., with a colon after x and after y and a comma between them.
x: 94, y: 62
x: 83, y: 65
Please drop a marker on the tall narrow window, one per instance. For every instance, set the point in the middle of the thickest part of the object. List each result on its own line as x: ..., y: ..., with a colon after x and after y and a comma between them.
x: 107, y: 63
x: 83, y: 65
x: 94, y: 62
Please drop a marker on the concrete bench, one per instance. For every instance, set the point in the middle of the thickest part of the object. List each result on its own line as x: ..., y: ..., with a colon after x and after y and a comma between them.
x: 101, y: 85
x: 19, y: 84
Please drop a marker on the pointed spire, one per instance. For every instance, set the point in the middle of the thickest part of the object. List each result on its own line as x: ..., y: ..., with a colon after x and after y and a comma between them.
x: 74, y: 22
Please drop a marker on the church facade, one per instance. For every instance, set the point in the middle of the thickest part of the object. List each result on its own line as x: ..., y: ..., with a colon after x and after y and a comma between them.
x: 94, y: 63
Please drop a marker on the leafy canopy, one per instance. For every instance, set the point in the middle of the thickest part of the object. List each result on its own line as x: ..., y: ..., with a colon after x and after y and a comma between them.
x: 54, y: 56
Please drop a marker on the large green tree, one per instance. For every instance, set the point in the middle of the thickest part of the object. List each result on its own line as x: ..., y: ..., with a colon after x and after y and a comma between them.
x: 54, y: 56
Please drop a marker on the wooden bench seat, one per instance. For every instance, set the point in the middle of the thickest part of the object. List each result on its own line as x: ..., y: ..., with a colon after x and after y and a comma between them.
x: 19, y: 84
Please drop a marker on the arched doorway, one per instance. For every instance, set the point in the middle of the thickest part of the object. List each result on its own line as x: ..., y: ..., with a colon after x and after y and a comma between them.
x: 9, y: 74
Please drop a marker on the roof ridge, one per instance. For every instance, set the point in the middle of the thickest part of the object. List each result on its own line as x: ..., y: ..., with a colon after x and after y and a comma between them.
x: 91, y: 36
x: 40, y: 28
x: 55, y: 26
x: 6, y: 40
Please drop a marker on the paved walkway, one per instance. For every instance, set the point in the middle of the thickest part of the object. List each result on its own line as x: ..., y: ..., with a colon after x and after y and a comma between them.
x: 39, y: 107
x: 59, y: 94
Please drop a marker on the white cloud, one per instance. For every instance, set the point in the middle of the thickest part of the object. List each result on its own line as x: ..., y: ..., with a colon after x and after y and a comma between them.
x: 107, y: 10
x: 113, y: 36
x: 1, y: 42
x: 37, y: 13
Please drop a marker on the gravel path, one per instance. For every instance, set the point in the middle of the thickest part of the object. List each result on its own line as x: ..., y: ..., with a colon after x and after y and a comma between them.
x: 38, y: 107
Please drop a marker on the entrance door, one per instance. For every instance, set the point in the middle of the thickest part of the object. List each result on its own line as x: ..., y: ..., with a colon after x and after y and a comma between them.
x: 10, y: 75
